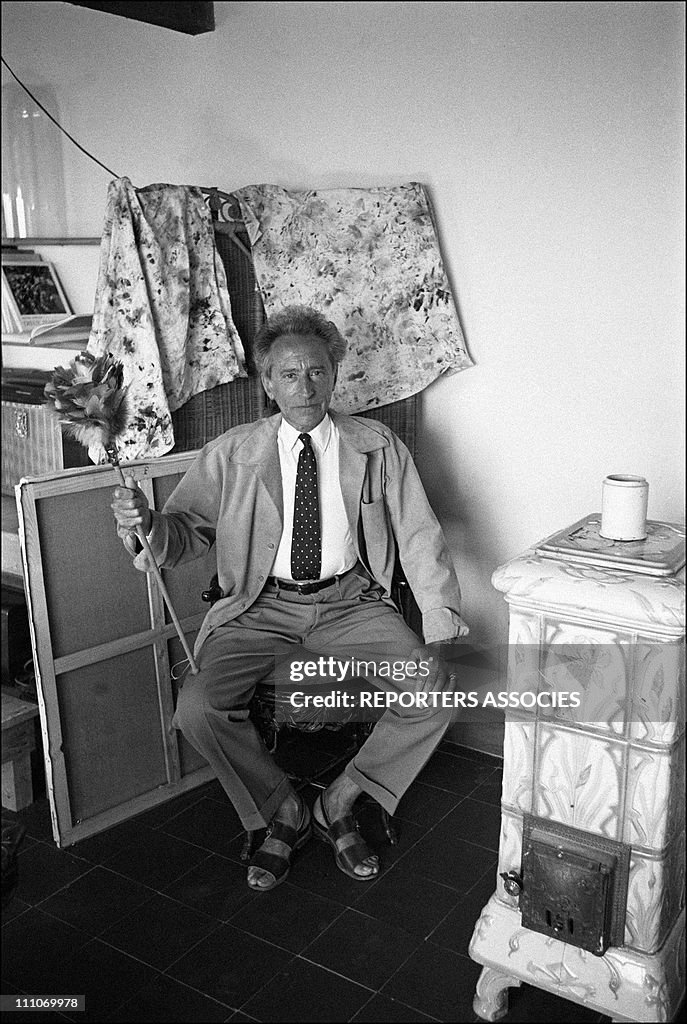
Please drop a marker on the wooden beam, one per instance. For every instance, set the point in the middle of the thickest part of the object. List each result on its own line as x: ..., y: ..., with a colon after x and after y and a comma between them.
x: 191, y: 18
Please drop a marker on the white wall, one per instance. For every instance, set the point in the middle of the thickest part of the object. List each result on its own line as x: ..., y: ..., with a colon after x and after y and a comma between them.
x: 550, y: 136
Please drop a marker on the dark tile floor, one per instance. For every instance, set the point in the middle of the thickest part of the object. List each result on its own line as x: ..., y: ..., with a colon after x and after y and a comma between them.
x: 153, y: 921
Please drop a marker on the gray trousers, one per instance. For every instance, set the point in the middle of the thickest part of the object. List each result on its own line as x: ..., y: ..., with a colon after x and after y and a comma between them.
x: 351, y: 618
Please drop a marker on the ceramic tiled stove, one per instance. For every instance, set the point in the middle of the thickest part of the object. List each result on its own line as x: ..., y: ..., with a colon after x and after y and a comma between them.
x: 589, y: 901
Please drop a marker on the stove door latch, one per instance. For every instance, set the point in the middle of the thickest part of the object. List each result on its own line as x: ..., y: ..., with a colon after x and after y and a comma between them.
x: 512, y: 882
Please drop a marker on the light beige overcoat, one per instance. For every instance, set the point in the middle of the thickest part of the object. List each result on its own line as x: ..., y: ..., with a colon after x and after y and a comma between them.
x: 232, y: 496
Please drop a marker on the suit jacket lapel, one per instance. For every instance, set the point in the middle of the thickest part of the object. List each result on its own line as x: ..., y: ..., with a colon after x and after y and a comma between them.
x: 269, y: 474
x: 352, y: 468
x: 261, y: 452
x: 356, y: 440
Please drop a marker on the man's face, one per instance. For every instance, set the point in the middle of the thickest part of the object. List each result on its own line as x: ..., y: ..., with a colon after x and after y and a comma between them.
x: 301, y: 381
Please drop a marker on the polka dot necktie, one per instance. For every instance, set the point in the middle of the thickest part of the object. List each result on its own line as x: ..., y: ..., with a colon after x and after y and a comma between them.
x: 306, y: 547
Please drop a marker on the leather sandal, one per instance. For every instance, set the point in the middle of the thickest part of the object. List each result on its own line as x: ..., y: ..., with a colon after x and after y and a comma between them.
x: 279, y: 864
x: 356, y: 849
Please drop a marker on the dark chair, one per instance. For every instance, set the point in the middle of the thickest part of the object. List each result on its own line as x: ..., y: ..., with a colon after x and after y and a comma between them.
x: 273, y: 713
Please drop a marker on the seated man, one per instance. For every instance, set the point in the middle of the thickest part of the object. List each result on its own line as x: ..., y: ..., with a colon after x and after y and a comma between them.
x: 305, y: 509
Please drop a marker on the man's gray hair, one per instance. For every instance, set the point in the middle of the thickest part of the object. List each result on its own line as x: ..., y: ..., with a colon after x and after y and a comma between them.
x: 297, y: 320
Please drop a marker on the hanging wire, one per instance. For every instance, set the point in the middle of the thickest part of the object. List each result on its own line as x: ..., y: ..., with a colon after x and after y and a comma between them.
x: 224, y: 228
x: 64, y: 130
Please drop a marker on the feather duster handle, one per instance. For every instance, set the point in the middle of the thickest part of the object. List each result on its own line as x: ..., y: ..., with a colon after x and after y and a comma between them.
x: 113, y: 459
x: 91, y: 401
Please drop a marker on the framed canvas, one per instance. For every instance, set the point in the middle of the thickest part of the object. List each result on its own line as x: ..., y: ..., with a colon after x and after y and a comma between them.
x: 33, y: 289
x: 105, y: 649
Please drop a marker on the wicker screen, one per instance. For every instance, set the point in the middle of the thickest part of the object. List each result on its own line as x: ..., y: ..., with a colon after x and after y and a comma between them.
x: 212, y: 412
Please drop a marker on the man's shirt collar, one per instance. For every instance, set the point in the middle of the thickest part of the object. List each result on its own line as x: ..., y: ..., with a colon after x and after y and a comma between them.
x: 320, y: 436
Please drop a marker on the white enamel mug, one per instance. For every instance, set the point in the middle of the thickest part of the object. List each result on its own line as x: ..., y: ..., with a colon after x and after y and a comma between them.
x: 624, y: 503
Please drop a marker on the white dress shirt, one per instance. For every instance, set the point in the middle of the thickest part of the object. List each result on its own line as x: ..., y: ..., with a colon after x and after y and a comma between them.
x: 338, y: 550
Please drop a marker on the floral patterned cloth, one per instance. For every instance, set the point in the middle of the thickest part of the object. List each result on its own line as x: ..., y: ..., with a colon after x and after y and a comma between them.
x: 161, y: 308
x: 369, y: 259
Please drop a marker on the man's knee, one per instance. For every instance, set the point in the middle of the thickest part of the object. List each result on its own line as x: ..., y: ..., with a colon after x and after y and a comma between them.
x: 191, y: 706
x: 211, y: 693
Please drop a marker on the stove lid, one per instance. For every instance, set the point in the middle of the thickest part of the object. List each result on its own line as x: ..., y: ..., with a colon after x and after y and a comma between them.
x: 662, y: 553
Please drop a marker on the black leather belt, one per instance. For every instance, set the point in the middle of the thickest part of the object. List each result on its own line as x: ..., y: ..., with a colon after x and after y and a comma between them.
x: 305, y: 588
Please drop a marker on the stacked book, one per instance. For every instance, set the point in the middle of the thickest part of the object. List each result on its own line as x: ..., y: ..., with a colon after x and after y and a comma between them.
x: 71, y: 332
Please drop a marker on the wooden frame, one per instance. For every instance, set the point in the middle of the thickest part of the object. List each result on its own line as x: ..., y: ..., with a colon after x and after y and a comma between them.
x: 34, y: 292
x: 104, y: 650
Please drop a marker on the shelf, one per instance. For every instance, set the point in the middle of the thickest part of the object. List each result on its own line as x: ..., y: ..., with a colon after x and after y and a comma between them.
x: 37, y: 357
x: 18, y: 243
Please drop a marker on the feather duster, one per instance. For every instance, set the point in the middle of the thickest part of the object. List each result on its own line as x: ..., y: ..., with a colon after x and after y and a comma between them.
x: 90, y: 400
